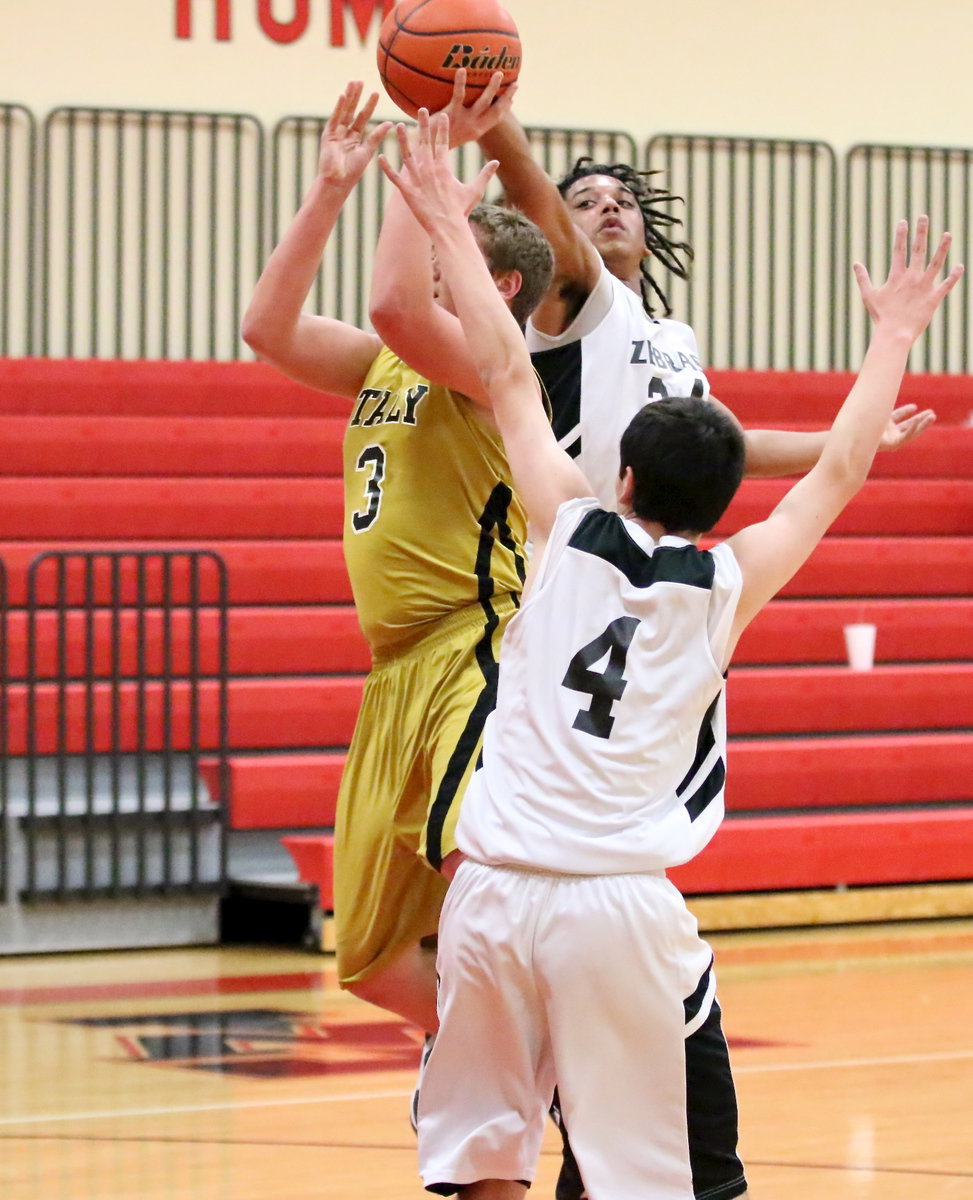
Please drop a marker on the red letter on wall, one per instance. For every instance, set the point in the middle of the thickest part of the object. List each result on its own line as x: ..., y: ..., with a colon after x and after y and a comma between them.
x: 184, y: 19
x: 283, y: 31
x: 362, y: 10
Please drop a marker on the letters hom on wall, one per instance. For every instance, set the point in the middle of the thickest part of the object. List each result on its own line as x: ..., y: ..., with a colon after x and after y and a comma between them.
x: 217, y: 19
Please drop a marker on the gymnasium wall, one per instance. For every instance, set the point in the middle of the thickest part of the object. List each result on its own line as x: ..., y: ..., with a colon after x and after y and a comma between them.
x: 838, y: 71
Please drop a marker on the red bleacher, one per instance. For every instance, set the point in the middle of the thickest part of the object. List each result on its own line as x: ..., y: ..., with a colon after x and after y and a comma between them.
x: 835, y: 778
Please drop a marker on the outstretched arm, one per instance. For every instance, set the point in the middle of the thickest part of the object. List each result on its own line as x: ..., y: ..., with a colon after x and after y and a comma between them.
x: 543, y: 474
x: 528, y: 187
x: 403, y: 307
x: 770, y: 552
x: 769, y: 452
x: 319, y: 351
x: 775, y: 452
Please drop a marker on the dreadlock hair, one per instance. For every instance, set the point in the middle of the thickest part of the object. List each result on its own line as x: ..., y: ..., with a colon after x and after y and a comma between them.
x: 674, y: 256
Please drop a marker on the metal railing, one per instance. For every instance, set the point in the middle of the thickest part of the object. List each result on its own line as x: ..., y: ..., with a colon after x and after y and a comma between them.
x: 126, y: 675
x: 152, y: 227
x: 557, y: 150
x: 342, y: 285
x: 883, y: 184
x: 17, y: 199
x: 760, y: 215
x: 152, y: 234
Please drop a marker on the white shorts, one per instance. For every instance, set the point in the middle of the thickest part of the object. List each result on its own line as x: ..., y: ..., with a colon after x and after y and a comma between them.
x: 575, y: 979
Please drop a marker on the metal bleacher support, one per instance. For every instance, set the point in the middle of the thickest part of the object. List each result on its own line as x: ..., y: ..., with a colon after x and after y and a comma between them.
x: 152, y: 232
x: 17, y: 257
x: 115, y: 694
x: 883, y: 184
x: 129, y: 233
x: 760, y: 215
x: 341, y: 287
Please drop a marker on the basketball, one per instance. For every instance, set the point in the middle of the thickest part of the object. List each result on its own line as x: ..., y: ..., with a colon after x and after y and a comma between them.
x: 423, y: 43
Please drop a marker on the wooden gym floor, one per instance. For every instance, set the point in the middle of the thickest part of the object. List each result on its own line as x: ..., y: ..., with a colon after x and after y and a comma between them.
x: 231, y: 1074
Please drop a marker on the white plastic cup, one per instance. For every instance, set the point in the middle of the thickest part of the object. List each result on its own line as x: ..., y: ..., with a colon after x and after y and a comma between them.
x: 860, y: 644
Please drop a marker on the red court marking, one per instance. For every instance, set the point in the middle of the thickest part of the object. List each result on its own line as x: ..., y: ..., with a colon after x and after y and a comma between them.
x: 70, y: 993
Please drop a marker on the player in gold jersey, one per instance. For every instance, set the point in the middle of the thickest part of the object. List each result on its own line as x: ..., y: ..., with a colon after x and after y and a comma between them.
x: 434, y: 543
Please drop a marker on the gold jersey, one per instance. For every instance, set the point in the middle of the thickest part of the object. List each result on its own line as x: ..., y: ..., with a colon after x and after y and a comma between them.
x: 431, y: 523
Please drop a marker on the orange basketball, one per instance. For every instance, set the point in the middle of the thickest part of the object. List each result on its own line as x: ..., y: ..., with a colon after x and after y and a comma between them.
x: 423, y: 43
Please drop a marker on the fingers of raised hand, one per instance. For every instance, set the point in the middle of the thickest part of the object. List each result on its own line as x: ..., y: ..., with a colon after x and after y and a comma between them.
x: 906, y: 431
x: 489, y: 93
x: 938, y: 259
x: 361, y: 121
x: 920, y: 242
x: 344, y: 110
x: 459, y: 88
x: 951, y: 280
x: 422, y: 134
x: 376, y: 136
x: 405, y: 148
x: 862, y: 277
x: 899, y: 243
x: 388, y: 170
x: 487, y: 172
x: 439, y: 128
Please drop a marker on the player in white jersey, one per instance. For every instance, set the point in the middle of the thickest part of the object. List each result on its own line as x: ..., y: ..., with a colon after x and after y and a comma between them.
x: 602, y: 354
x: 611, y: 347
x: 649, y: 620
x: 600, y: 357
x: 565, y: 955
x: 604, y: 344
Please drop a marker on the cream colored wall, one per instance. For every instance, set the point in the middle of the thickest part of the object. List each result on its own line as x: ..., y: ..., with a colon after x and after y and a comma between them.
x: 841, y: 71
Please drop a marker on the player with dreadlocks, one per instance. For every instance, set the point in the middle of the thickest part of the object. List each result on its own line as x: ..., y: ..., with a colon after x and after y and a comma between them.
x: 674, y: 256
x: 595, y: 337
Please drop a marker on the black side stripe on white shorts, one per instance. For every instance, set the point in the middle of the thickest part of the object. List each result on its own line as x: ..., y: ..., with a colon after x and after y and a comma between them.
x: 698, y: 1005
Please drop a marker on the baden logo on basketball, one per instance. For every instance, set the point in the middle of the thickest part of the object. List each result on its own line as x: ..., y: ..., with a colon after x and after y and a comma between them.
x: 423, y: 43
x: 467, y: 56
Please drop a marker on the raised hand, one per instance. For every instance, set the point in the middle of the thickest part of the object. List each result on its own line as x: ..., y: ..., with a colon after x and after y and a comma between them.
x: 905, y: 424
x: 469, y: 122
x: 913, y: 291
x: 347, y: 145
x: 426, y: 179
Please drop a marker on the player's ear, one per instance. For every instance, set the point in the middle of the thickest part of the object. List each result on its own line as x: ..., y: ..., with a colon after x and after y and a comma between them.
x: 508, y: 283
x: 624, y: 488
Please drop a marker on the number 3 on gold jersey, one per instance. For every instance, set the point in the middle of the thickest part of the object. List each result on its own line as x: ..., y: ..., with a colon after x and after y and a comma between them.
x: 371, y: 459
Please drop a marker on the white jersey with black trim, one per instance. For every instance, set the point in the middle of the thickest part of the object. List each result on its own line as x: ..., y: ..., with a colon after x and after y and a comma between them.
x: 611, y: 360
x: 606, y: 752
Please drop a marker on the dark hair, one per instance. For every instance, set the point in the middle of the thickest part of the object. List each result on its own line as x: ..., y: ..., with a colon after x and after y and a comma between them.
x: 674, y: 256
x: 686, y: 456
x: 512, y: 242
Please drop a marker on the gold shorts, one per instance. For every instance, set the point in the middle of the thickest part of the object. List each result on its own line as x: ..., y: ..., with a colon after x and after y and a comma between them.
x: 416, y: 743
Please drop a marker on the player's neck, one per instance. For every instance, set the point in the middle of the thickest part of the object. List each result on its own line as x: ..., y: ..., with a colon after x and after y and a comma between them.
x: 656, y: 531
x: 622, y: 268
